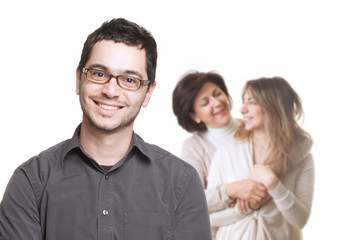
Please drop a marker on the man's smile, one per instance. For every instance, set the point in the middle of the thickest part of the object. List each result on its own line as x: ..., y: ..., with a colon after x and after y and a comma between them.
x: 107, y: 106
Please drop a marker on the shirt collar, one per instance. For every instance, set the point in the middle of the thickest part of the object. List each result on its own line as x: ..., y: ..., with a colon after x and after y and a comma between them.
x: 136, y: 143
x: 142, y: 147
x: 73, y: 143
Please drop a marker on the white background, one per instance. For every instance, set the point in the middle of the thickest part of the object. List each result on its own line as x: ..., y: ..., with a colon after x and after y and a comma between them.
x: 315, y: 45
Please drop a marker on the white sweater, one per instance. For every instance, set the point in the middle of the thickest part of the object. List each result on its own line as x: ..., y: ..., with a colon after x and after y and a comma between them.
x: 281, y: 218
x: 199, y: 149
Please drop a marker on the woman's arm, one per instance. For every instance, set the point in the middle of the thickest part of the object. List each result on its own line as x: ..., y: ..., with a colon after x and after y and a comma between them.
x: 219, y: 171
x: 294, y: 206
x: 227, y: 216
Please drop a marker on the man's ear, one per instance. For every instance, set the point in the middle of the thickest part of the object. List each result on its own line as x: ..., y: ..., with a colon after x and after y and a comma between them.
x: 78, y: 76
x: 149, y: 94
x: 195, y: 117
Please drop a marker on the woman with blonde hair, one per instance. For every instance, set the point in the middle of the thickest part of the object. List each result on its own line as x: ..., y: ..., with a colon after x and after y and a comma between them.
x: 271, y: 149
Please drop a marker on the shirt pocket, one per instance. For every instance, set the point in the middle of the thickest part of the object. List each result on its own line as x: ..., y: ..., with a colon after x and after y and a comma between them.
x: 146, y: 225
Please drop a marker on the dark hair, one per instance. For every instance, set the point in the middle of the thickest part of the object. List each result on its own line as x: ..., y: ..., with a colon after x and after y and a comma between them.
x: 184, y: 95
x: 129, y: 33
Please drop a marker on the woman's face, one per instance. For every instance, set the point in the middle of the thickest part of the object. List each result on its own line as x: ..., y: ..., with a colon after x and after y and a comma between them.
x: 253, y: 114
x: 211, y: 107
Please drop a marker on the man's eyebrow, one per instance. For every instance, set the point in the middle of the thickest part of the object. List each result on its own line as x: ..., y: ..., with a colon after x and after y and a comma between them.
x: 134, y: 73
x: 102, y: 67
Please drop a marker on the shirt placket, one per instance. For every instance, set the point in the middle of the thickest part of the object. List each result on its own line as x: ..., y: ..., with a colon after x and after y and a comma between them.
x: 106, y: 208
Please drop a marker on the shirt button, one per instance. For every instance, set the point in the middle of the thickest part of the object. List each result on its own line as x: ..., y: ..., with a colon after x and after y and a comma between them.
x: 107, y: 177
x: 105, y: 212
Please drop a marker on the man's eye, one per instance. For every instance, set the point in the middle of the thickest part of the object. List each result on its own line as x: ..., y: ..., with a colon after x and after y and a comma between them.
x: 130, y: 80
x: 98, y: 74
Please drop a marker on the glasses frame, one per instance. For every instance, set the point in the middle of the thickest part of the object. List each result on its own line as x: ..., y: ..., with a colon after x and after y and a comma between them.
x: 142, y: 82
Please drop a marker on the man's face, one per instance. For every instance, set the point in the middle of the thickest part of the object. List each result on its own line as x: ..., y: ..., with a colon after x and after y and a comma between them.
x: 108, y: 107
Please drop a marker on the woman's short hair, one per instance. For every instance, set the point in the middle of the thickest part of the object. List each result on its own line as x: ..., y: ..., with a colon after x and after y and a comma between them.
x: 185, y: 93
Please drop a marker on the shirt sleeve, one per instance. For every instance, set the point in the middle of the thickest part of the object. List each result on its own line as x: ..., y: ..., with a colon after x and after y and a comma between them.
x: 216, y: 196
x: 19, y: 215
x: 296, y: 206
x: 191, y: 220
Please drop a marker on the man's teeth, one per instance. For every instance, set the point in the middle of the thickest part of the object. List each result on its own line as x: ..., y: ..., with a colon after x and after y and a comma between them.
x: 107, y: 107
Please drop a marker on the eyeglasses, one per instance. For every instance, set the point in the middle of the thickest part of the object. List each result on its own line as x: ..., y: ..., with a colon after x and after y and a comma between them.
x: 124, y: 81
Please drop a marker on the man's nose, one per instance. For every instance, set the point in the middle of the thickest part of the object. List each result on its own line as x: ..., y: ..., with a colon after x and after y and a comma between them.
x: 112, y: 89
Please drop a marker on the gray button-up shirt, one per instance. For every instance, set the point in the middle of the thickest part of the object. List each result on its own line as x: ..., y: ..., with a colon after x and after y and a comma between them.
x: 62, y: 193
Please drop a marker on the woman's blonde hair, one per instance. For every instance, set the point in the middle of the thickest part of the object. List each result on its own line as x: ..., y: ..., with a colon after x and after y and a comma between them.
x: 283, y: 109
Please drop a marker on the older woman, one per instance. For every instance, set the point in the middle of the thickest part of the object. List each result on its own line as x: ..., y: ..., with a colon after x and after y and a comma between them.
x: 272, y: 149
x: 202, y: 105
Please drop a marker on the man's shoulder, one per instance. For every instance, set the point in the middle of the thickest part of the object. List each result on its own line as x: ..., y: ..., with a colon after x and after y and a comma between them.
x: 172, y: 169
x: 46, y: 157
x: 160, y: 156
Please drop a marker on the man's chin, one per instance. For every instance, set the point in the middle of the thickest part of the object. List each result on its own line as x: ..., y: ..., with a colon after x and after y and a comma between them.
x: 111, y: 127
x: 108, y: 126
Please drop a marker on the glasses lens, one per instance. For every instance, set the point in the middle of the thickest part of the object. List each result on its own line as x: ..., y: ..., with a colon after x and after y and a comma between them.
x: 129, y: 82
x: 97, y: 76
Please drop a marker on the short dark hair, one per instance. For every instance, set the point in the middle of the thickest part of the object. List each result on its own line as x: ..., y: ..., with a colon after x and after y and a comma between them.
x: 184, y: 96
x: 129, y: 33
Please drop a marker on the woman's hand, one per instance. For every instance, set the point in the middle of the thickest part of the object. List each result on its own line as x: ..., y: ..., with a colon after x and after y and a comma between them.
x: 256, y: 206
x: 264, y: 174
x: 246, y: 189
x: 244, y: 205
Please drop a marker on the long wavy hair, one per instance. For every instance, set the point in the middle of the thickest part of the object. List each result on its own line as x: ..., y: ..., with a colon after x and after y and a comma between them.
x: 283, y: 110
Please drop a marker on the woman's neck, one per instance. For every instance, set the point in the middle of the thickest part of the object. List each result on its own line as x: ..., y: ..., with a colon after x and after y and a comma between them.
x: 261, y: 144
x: 224, y: 134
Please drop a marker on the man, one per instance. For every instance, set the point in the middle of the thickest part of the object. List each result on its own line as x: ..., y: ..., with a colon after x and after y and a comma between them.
x: 106, y: 182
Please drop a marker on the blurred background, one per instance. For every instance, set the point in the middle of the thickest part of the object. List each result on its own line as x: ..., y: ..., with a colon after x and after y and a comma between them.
x: 312, y: 44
